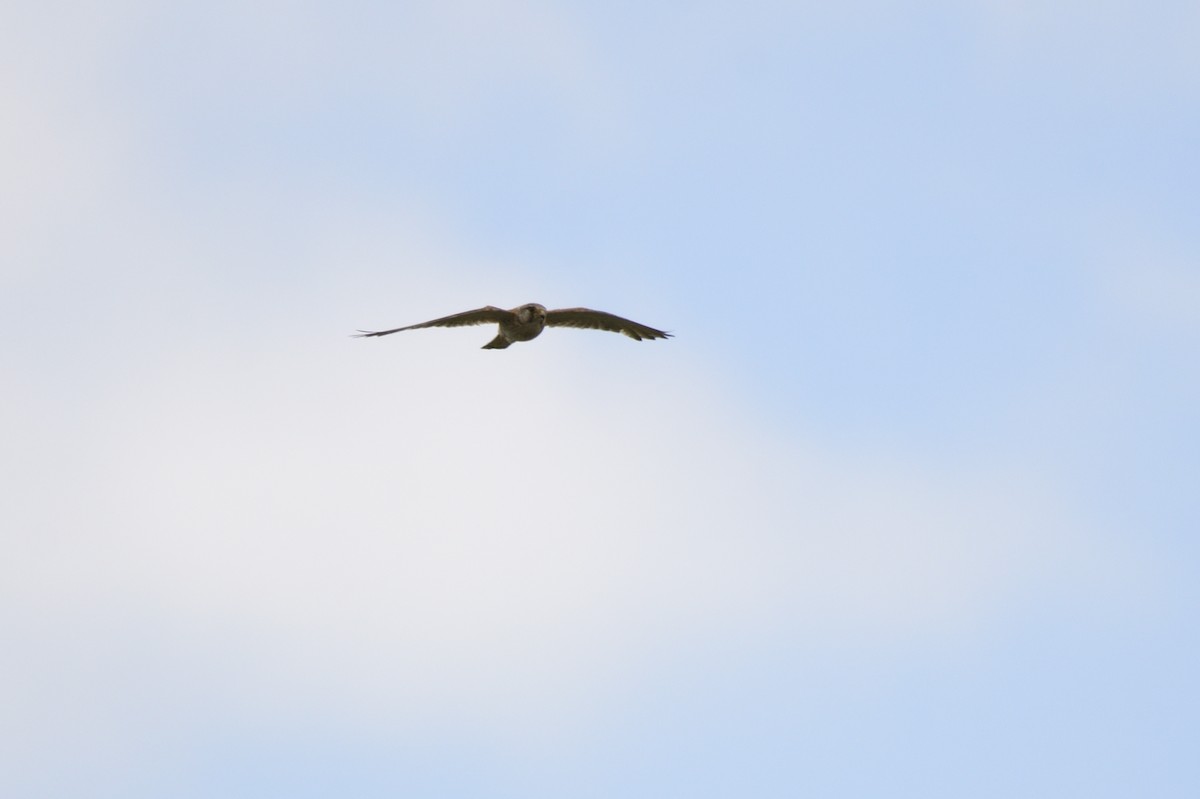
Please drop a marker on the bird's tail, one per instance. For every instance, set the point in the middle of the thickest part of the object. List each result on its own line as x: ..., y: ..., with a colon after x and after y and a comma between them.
x: 498, y: 343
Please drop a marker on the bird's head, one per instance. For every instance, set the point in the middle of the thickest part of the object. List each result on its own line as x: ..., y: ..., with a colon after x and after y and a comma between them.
x: 531, y: 312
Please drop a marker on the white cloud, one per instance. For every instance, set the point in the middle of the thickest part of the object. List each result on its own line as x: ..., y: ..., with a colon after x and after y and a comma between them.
x: 60, y: 148
x: 415, y: 526
x: 222, y: 500
x: 213, y: 496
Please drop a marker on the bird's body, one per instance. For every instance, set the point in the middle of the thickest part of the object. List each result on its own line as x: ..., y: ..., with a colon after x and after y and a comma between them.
x: 526, y: 322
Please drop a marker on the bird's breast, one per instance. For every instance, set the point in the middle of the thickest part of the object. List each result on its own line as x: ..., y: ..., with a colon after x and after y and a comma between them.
x: 524, y: 331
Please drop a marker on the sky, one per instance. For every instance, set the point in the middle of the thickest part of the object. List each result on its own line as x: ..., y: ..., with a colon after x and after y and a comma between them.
x: 907, y: 507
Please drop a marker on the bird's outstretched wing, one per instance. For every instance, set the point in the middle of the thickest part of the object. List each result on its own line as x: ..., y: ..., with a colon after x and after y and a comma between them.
x: 480, y: 316
x: 599, y: 320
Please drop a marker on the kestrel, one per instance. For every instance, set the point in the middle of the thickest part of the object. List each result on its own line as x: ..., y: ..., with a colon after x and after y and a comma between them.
x: 526, y: 322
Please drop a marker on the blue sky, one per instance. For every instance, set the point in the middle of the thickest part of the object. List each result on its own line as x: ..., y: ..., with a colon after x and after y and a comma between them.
x: 908, y: 507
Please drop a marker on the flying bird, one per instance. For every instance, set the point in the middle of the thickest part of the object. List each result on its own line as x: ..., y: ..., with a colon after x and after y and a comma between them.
x: 526, y: 322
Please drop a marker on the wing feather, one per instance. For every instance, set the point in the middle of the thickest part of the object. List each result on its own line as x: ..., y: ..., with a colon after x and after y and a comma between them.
x: 479, y: 316
x: 600, y: 320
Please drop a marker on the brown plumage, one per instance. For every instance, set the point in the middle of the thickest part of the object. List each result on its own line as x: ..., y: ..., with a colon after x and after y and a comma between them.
x: 526, y: 322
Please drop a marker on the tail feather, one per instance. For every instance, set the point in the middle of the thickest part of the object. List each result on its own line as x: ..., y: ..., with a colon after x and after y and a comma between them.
x: 498, y: 343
